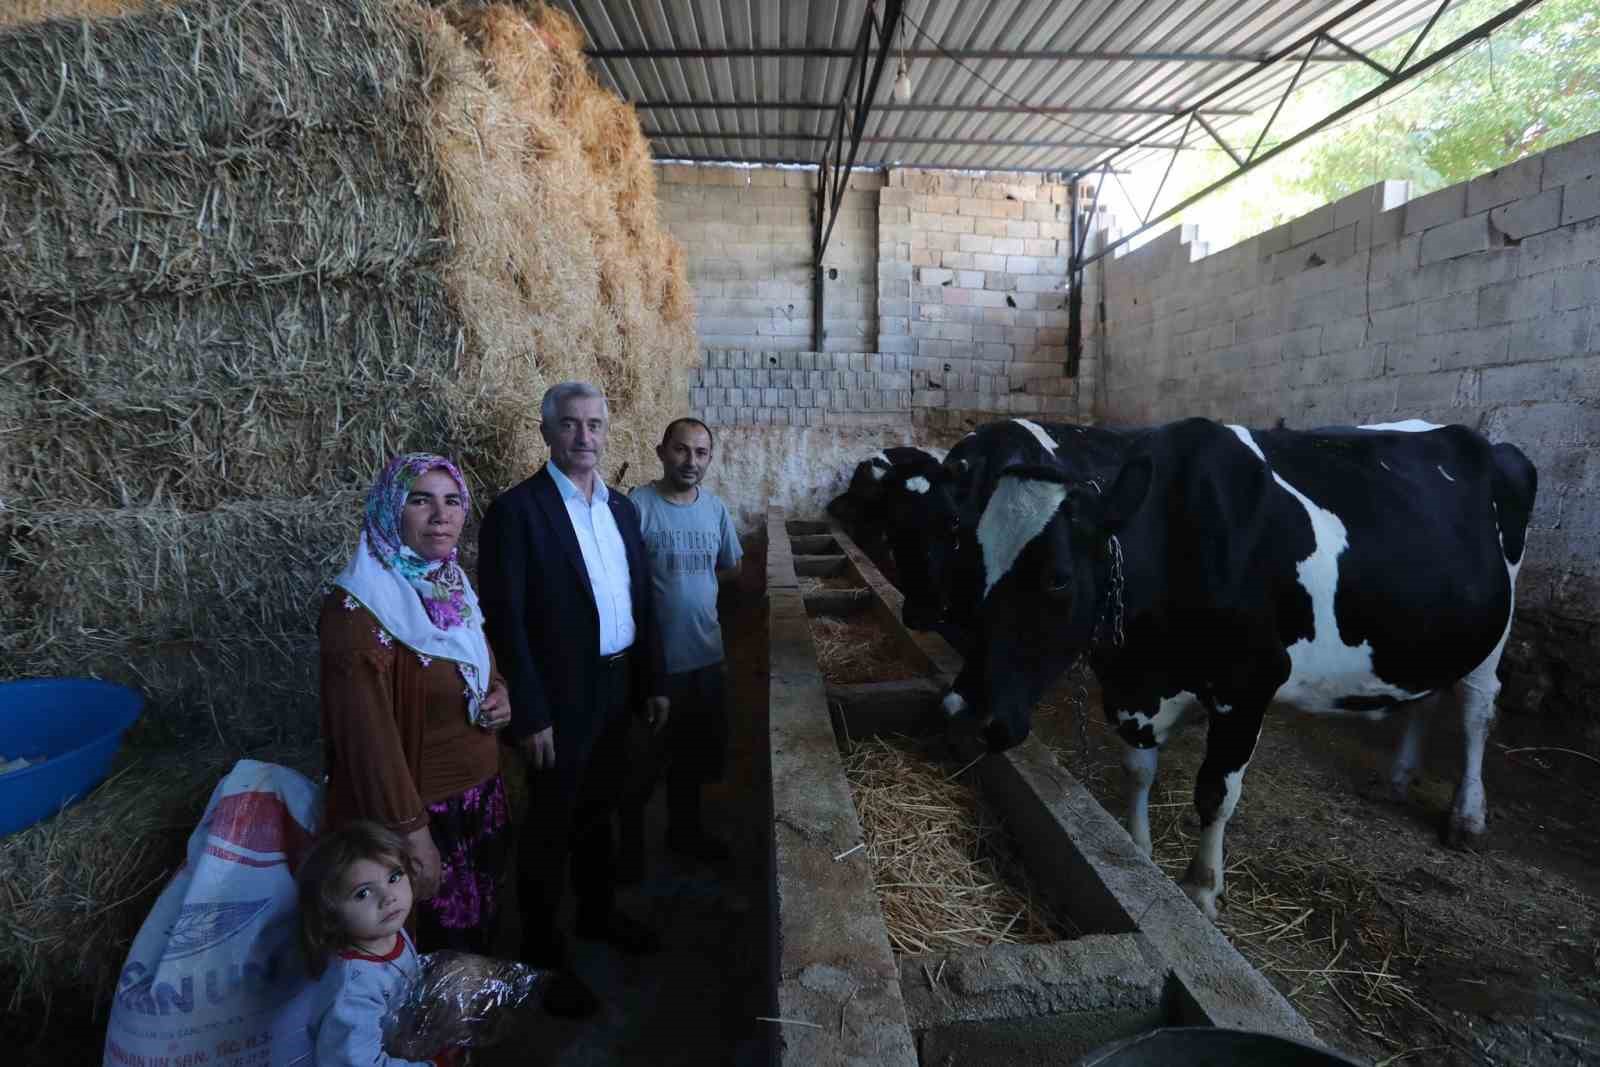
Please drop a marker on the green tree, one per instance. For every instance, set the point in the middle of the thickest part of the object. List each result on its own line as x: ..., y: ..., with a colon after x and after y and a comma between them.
x: 1533, y: 85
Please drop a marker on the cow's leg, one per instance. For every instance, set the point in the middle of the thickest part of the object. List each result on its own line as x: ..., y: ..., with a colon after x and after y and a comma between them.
x: 959, y: 698
x: 1139, y: 774
x: 1408, y: 756
x: 1144, y: 734
x: 1476, y: 695
x: 1229, y: 745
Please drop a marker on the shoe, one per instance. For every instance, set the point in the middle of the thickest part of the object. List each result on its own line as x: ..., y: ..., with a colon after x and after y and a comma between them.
x: 568, y: 997
x: 621, y: 932
x: 700, y: 846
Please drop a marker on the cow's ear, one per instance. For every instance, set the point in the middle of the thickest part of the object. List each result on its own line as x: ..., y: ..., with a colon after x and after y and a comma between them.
x: 1127, y: 493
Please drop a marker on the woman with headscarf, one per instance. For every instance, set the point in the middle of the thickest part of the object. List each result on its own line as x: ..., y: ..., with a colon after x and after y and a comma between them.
x: 411, y: 701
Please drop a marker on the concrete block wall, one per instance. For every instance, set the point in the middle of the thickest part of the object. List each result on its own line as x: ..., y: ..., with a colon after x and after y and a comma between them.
x: 1478, y: 304
x: 944, y: 297
x: 972, y: 285
x: 761, y: 387
x: 747, y: 233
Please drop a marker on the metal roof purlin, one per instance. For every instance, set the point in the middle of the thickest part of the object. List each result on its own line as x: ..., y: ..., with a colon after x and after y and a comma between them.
x: 1402, y: 73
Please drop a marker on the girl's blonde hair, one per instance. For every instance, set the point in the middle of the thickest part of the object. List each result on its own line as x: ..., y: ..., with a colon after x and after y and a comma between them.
x: 321, y: 883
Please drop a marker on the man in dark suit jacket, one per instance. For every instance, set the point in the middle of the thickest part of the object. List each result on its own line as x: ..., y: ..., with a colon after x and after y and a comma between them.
x: 565, y: 589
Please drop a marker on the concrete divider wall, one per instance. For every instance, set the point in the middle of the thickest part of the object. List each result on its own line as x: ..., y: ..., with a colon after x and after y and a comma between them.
x: 1477, y: 304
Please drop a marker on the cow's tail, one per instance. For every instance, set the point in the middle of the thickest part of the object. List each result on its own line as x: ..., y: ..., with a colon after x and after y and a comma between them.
x: 1514, y: 485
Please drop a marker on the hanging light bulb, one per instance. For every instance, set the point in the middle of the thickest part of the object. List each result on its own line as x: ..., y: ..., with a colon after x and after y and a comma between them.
x: 902, y: 83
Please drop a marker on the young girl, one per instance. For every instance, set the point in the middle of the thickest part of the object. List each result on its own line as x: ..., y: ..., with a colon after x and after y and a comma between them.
x: 355, y: 894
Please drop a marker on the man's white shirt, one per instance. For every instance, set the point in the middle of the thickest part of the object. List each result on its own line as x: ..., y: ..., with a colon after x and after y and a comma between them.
x: 604, y: 557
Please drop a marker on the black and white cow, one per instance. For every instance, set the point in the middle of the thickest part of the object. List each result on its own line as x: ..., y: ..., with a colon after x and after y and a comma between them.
x: 863, y: 508
x: 1338, y: 570
x: 933, y: 508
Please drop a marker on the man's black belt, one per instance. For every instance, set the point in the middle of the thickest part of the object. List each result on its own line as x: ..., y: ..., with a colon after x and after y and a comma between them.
x: 616, y: 659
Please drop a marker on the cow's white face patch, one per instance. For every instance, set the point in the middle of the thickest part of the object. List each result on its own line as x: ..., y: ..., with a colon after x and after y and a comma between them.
x: 1406, y: 426
x: 1018, y: 512
x: 1046, y: 442
x: 1322, y: 667
x: 918, y: 485
x: 880, y: 466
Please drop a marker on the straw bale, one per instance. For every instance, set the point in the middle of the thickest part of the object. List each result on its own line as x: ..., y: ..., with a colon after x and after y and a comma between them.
x: 517, y: 60
x: 207, y: 76
x: 20, y: 12
x: 319, y: 205
x: 201, y: 447
x: 318, y: 333
x: 246, y: 569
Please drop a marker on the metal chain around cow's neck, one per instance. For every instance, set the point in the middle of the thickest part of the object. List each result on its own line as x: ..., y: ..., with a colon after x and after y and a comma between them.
x: 1111, y: 616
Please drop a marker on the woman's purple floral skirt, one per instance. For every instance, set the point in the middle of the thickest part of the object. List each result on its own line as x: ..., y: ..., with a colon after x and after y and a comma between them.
x: 472, y: 831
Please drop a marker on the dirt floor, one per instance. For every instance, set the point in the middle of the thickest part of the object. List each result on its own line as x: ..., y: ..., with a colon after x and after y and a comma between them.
x: 1395, y: 948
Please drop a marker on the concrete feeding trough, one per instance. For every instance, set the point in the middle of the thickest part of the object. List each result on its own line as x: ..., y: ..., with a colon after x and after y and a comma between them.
x: 1142, y: 956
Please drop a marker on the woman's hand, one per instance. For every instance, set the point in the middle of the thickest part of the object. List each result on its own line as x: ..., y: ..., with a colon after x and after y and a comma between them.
x: 495, y: 712
x: 420, y: 844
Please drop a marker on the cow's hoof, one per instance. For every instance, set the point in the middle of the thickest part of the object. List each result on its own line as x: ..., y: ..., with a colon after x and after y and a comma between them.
x: 1204, y: 897
x: 1399, y: 789
x: 1460, y: 833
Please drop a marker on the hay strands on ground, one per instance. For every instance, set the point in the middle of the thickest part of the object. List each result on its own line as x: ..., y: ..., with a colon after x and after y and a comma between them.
x: 943, y: 870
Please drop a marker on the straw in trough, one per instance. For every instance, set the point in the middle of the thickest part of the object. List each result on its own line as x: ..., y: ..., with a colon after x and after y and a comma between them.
x: 851, y: 650
x: 947, y: 875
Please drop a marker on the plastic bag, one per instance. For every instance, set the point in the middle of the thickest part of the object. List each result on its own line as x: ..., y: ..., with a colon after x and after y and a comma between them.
x: 460, y: 1000
x: 215, y: 975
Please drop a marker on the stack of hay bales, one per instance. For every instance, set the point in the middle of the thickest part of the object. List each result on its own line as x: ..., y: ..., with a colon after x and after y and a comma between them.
x: 247, y: 253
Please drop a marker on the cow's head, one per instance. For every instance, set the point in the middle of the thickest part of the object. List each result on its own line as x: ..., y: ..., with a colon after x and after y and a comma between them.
x: 925, y: 533
x: 1050, y: 566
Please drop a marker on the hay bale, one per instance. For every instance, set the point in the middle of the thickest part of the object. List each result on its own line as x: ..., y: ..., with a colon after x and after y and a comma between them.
x: 318, y: 333
x: 245, y: 570
x: 83, y: 226
x: 206, y: 78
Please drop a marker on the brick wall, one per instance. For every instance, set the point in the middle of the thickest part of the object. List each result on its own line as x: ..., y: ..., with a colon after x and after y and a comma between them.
x: 1478, y: 304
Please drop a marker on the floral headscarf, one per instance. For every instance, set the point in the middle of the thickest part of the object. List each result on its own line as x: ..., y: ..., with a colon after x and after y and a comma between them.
x: 440, y: 583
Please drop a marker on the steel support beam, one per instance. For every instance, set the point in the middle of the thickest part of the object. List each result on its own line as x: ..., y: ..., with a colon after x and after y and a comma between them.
x: 785, y: 161
x: 921, y: 109
x: 921, y: 142
x: 970, y: 55
x: 838, y: 159
x: 1403, y: 72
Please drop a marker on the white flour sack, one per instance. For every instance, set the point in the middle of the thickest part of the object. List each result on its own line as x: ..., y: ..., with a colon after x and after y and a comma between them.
x: 216, y: 975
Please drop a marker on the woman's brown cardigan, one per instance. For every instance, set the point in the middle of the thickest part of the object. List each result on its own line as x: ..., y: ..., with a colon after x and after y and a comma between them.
x: 394, y: 724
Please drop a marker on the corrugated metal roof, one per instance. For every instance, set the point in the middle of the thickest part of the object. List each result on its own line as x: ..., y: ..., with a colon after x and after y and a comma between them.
x: 1129, y: 62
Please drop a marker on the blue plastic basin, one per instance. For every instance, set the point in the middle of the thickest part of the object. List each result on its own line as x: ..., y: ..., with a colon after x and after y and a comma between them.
x: 76, y: 724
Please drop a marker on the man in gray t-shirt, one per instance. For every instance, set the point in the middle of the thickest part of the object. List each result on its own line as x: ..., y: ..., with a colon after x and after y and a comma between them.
x: 692, y: 546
